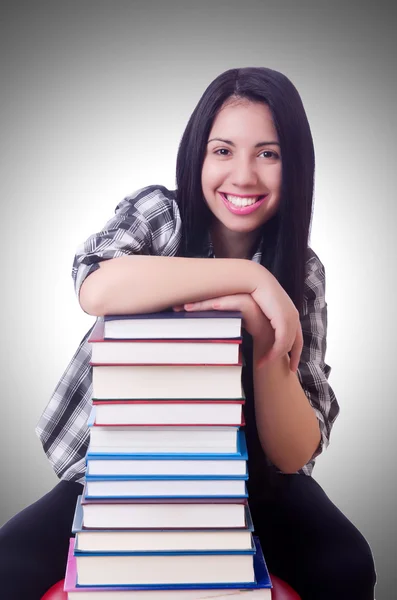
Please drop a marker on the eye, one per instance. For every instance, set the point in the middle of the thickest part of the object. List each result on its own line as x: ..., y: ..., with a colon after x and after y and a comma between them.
x: 270, y: 154
x: 221, y: 150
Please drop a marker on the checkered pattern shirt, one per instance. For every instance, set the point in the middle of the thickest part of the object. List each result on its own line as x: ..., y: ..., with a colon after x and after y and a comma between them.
x: 149, y: 222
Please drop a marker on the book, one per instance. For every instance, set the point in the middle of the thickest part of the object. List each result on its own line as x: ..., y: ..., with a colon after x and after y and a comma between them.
x: 124, y: 467
x: 133, y: 439
x: 119, y: 352
x: 169, y: 324
x: 163, y: 513
x: 130, y: 540
x: 259, y: 590
x: 143, y: 382
x: 165, y: 568
x: 147, y: 465
x: 168, y: 412
x: 170, y: 487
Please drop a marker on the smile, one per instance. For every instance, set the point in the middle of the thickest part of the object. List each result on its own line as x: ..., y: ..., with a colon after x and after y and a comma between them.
x: 242, y: 205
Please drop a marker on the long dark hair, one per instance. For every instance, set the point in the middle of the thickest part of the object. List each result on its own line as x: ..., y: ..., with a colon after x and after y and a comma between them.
x: 286, y: 234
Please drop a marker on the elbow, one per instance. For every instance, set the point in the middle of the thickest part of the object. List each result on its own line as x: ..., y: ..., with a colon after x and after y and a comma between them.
x: 295, y: 461
x: 91, y: 297
x: 290, y: 467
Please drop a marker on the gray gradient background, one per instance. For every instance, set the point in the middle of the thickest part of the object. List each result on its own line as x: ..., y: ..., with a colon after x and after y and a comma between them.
x: 94, y: 100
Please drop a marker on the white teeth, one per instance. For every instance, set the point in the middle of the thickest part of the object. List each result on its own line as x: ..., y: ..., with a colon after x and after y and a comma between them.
x: 236, y: 201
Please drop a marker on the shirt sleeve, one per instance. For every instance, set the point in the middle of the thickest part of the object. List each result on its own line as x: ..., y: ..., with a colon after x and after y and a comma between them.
x: 146, y: 222
x: 313, y: 371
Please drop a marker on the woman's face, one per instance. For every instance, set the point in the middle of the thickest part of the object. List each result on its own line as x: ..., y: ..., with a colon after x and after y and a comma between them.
x: 241, y: 175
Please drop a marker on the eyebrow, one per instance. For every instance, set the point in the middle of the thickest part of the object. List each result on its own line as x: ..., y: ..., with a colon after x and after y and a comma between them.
x: 258, y: 145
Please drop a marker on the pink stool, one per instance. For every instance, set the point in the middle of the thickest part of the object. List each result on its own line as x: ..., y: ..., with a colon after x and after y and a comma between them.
x: 280, y: 591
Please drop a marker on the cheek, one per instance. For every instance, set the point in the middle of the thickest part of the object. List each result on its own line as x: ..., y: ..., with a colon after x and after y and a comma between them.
x: 211, y: 175
x: 274, y: 179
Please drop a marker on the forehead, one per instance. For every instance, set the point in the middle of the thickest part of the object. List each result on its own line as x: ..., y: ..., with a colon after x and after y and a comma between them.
x: 244, y: 118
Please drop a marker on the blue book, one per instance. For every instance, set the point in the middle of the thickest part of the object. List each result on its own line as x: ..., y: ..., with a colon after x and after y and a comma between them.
x: 240, y: 454
x: 151, y: 466
x: 215, y: 569
x: 166, y: 488
x: 174, y: 325
x: 261, y: 582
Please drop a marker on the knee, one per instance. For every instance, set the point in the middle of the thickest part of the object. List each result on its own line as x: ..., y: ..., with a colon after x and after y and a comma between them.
x: 359, y: 569
x: 352, y: 567
x: 9, y: 562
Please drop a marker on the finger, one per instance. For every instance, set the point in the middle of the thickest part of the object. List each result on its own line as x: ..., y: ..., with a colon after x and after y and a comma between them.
x: 202, y: 305
x: 296, y: 350
x: 282, y: 344
x: 232, y: 302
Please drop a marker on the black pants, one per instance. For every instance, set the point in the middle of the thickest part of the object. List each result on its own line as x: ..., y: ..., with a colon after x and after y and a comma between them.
x: 306, y: 541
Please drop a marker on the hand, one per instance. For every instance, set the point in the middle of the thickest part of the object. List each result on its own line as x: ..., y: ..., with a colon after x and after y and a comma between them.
x: 254, y: 321
x: 278, y: 307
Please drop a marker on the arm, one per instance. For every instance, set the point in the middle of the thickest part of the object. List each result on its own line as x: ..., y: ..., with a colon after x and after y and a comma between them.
x: 295, y: 413
x: 130, y: 267
x: 134, y: 284
x: 287, y: 425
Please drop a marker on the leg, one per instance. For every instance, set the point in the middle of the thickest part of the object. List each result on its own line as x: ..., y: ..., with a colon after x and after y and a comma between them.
x: 309, y: 543
x: 34, y: 544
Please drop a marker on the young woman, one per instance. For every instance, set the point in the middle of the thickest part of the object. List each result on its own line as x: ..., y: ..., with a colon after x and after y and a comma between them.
x: 232, y: 236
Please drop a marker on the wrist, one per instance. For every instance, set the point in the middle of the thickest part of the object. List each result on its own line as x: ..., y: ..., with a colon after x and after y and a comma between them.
x: 254, y: 274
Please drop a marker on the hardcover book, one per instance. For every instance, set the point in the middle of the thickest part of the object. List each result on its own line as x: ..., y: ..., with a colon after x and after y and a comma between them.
x: 163, y: 513
x: 166, y: 381
x: 169, y: 324
x: 200, y: 351
x: 170, y: 487
x: 168, y: 412
x: 260, y: 589
x: 130, y: 540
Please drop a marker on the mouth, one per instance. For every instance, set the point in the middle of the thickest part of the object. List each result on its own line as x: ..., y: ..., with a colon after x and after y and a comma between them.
x: 242, y: 205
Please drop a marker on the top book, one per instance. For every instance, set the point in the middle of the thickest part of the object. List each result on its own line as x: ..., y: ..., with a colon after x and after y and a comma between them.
x: 174, y: 325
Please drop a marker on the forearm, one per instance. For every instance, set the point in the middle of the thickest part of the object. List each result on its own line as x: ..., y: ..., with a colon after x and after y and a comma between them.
x: 286, y: 422
x: 134, y: 284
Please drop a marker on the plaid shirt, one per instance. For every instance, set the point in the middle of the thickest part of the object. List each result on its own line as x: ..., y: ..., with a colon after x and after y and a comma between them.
x: 148, y: 222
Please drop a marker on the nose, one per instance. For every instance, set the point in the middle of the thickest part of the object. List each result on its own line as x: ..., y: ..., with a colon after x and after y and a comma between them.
x: 244, y: 173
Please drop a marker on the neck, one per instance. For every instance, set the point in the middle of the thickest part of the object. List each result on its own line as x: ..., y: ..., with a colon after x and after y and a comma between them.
x: 232, y: 244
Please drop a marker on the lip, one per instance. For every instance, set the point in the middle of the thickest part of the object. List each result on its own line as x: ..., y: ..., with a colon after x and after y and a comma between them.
x: 244, y: 210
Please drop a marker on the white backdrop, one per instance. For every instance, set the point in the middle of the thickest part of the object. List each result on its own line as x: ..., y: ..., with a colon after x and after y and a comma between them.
x: 94, y: 100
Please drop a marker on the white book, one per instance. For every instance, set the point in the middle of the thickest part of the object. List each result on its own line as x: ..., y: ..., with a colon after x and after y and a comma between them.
x: 126, y: 488
x: 160, y: 514
x: 151, y: 440
x: 125, y: 467
x: 204, y: 594
x: 168, y: 413
x: 166, y: 381
x: 164, y: 569
x: 161, y: 351
x: 98, y: 540
x: 258, y: 590
x: 160, y: 540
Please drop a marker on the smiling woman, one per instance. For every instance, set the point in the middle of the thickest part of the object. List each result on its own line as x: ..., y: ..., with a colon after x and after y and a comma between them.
x: 241, y: 180
x: 234, y: 235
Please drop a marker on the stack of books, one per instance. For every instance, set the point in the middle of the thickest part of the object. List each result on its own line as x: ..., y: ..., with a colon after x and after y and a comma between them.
x: 164, y: 511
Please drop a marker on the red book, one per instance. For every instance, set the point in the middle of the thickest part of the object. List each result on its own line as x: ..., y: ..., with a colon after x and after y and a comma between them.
x: 169, y: 412
x: 164, y: 382
x: 161, y: 351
